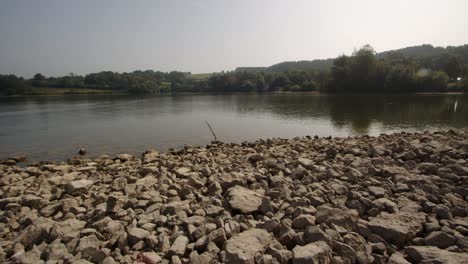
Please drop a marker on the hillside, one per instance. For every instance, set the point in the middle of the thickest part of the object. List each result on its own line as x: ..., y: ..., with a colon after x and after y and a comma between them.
x: 423, y: 52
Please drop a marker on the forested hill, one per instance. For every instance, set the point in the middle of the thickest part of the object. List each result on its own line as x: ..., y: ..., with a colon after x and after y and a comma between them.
x: 424, y: 53
x: 414, y: 69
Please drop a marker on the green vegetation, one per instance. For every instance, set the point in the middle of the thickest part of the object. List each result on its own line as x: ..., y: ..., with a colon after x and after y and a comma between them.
x: 63, y: 91
x: 201, y: 76
x: 415, y: 69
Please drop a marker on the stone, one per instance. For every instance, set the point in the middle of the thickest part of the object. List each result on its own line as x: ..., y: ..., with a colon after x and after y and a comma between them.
x: 440, y: 239
x: 315, y: 234
x: 244, y: 200
x: 397, y: 258
x: 56, y: 251
x: 79, y: 186
x: 124, y: 157
x: 344, y: 251
x: 136, y: 234
x: 303, y: 221
x: 67, y: 230
x: 316, y: 253
x: 149, y: 258
x: 345, y: 218
x: 376, y: 191
x: 397, y: 228
x: 429, y: 254
x: 35, y: 233
x: 242, y: 248
x: 179, y: 246
x: 306, y: 163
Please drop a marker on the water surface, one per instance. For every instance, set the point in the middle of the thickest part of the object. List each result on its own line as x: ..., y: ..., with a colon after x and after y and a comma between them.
x: 54, y: 128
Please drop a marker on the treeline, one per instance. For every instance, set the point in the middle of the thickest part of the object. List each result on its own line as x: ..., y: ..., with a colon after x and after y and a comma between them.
x: 363, y: 71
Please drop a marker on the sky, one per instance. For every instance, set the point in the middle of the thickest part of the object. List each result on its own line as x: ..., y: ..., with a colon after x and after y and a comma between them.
x: 58, y: 37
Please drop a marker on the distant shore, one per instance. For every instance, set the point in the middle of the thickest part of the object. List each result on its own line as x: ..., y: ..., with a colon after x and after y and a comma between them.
x: 76, y: 91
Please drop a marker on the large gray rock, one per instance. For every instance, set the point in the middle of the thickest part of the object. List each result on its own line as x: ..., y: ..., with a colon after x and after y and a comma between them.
x: 397, y: 228
x: 314, y: 253
x: 435, y: 255
x: 244, y: 200
x: 243, y: 247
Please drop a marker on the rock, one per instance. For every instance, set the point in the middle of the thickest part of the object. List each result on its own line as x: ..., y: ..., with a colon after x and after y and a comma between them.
x: 303, y: 221
x: 56, y: 251
x: 183, y: 172
x: 315, y: 234
x: 195, y: 258
x: 145, y: 170
x: 397, y: 228
x: 428, y: 254
x: 376, y: 191
x: 318, y: 252
x: 397, y: 258
x: 179, y: 246
x: 306, y: 163
x: 442, y: 212
x: 243, y: 247
x: 440, y: 239
x: 345, y: 218
x: 344, y: 251
x: 82, y: 151
x: 79, y: 186
x: 67, y: 230
x: 135, y: 234
x: 149, y: 257
x: 124, y: 157
x: 244, y: 200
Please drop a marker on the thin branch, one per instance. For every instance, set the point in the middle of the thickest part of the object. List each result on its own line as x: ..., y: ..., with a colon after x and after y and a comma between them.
x: 214, y: 135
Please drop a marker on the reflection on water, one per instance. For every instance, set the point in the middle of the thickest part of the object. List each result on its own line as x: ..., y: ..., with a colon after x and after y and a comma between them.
x: 55, y: 127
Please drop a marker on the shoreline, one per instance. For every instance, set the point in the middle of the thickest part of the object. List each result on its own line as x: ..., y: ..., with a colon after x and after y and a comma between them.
x: 395, y: 197
x: 104, y: 92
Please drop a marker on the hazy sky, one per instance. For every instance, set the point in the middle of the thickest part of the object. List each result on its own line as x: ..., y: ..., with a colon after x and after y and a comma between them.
x: 56, y: 37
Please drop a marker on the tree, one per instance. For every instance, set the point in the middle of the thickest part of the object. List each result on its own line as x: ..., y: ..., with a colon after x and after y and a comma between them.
x: 39, y: 77
x: 453, y: 67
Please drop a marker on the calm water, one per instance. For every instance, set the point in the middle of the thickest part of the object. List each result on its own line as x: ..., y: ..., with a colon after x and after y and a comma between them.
x: 54, y: 128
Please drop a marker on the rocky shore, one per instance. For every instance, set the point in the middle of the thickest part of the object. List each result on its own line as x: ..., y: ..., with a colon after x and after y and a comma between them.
x: 399, y: 198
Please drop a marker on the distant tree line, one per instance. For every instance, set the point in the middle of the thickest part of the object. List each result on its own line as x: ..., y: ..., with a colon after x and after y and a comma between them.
x: 363, y: 71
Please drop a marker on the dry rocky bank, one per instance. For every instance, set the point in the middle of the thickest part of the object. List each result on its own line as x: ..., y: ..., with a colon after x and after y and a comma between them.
x: 399, y: 198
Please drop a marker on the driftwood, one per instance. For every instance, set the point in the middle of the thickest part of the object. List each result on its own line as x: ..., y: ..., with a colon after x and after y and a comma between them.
x: 212, y: 132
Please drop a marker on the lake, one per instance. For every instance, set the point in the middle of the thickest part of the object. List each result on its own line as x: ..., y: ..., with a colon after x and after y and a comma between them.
x: 54, y: 128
